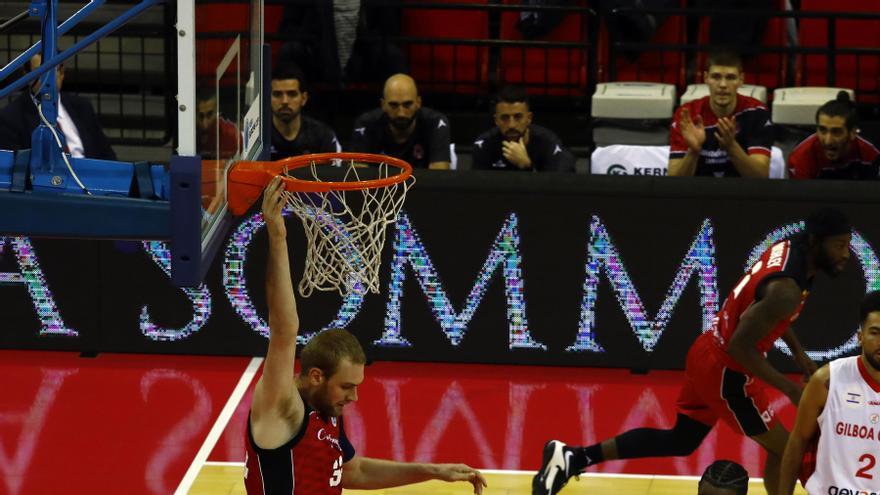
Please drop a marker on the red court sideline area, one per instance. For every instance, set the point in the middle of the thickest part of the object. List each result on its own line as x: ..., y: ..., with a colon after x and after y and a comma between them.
x: 75, y: 425
x: 111, y: 424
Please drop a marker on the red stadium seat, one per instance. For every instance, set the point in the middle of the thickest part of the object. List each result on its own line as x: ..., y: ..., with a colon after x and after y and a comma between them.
x: 852, y: 71
x: 219, y: 18
x: 222, y: 17
x: 560, y: 70
x: 273, y: 13
x: 764, y: 69
x: 461, y: 68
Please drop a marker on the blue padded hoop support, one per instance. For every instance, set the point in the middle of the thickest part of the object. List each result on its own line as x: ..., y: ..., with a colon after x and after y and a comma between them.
x: 20, y: 172
x: 74, y: 216
x: 55, y: 206
x: 143, y: 181
x: 44, y: 214
x: 47, y: 165
x: 186, y: 232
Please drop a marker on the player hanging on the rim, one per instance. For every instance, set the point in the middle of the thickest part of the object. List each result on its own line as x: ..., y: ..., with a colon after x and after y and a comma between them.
x: 296, y: 440
x: 726, y: 372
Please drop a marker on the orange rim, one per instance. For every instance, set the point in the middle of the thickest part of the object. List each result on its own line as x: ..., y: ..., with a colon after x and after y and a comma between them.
x: 248, y: 178
x: 272, y: 169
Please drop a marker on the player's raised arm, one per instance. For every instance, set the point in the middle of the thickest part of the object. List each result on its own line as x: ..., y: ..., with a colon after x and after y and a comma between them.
x: 276, y: 400
x: 781, y: 298
x: 805, y: 427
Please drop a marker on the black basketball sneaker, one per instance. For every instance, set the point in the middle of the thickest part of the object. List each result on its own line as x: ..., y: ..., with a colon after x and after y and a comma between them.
x: 555, y: 469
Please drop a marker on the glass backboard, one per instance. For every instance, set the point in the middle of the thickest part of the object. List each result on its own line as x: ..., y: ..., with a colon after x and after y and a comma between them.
x: 221, y: 117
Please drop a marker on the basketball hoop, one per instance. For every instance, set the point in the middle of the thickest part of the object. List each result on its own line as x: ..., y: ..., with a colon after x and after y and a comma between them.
x: 344, y: 219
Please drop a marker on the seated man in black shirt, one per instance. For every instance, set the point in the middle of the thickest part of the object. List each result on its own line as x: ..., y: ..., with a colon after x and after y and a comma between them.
x: 517, y: 144
x: 294, y: 134
x: 403, y: 128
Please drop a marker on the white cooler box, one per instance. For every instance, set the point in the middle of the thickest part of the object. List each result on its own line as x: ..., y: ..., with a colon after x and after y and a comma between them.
x: 797, y: 106
x: 632, y: 113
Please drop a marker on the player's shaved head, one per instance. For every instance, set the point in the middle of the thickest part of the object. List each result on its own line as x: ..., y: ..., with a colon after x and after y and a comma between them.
x: 400, y: 83
x: 401, y: 102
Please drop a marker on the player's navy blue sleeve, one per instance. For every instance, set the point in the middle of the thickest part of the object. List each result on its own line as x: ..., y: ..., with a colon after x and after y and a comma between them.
x: 329, y: 143
x: 360, y: 143
x: 480, y: 155
x: 347, y: 447
x: 759, y: 136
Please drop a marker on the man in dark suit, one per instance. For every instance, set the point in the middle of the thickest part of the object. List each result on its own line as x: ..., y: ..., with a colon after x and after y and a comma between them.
x: 76, y: 119
x: 342, y: 41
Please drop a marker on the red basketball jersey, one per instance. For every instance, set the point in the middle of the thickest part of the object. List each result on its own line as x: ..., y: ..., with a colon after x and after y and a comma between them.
x: 785, y: 259
x: 310, y: 463
x: 808, y: 161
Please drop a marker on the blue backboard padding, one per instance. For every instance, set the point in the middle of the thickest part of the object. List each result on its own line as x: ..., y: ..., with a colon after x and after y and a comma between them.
x: 186, y: 220
x: 7, y: 161
x: 101, y: 177
x: 79, y: 216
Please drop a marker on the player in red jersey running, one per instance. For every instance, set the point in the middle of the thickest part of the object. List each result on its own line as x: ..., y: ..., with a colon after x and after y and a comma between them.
x: 726, y: 372
x: 296, y: 440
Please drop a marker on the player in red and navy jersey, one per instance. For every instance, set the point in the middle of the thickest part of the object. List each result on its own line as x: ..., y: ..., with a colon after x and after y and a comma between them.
x: 833, y: 447
x: 724, y: 134
x: 835, y: 151
x: 296, y: 442
x: 726, y: 371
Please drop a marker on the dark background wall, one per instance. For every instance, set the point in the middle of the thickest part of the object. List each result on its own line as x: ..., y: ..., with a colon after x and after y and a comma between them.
x: 542, y: 236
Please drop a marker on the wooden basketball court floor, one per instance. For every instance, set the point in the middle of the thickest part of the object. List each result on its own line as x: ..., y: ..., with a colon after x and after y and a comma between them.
x: 158, y: 424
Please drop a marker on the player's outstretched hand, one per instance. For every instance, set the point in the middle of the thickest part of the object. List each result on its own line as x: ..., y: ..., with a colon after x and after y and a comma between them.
x: 462, y: 472
x: 273, y: 203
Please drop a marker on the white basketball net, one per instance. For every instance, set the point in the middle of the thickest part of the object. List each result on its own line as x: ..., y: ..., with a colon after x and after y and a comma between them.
x: 345, y: 230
